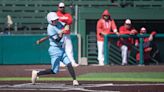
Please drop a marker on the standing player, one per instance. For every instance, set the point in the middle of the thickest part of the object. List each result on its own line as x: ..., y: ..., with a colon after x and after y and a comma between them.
x: 56, y: 50
x: 104, y: 26
x: 125, y: 43
x: 66, y: 18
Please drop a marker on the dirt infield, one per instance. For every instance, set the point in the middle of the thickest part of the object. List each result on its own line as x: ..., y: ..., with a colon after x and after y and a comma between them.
x: 86, y: 86
x: 103, y: 86
x: 25, y: 70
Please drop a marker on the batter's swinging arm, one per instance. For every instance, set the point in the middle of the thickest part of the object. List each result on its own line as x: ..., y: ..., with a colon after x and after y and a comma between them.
x: 66, y: 27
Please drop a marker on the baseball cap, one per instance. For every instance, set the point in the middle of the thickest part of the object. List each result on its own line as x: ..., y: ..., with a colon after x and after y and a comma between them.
x: 128, y: 21
x: 143, y: 30
x: 61, y: 4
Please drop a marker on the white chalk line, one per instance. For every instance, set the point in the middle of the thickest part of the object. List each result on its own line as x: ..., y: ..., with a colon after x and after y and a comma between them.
x: 42, y: 69
x: 20, y: 85
x: 154, y: 84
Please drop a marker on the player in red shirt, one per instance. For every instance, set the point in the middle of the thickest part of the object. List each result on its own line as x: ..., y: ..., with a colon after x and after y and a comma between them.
x: 66, y: 18
x: 125, y: 43
x: 104, y: 26
x: 147, y: 45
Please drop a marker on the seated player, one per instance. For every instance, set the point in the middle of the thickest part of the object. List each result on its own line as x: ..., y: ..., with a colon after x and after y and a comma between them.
x: 147, y: 45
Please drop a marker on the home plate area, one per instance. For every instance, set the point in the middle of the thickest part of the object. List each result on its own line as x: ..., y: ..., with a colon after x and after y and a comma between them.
x: 55, y: 87
x: 88, y: 87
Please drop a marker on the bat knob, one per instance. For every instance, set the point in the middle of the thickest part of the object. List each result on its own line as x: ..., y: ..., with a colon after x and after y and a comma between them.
x: 37, y: 42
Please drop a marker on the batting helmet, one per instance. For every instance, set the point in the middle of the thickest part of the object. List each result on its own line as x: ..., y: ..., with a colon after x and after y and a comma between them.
x: 51, y: 16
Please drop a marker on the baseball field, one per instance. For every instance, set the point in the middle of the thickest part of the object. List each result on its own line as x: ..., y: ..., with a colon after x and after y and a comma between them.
x: 92, y: 78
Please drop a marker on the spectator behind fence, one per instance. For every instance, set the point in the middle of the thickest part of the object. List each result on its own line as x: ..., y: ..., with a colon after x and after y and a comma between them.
x: 8, y: 26
x: 147, y: 45
x: 104, y: 26
x: 66, y: 18
x: 126, y: 43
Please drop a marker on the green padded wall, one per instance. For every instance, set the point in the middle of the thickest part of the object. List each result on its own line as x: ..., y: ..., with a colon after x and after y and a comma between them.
x: 74, y: 39
x: 23, y: 50
x: 1, y: 50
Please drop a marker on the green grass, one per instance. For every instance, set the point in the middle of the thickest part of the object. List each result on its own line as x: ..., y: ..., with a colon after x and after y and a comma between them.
x: 142, y: 77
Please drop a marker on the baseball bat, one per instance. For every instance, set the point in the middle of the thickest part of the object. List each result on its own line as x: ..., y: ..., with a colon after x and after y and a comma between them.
x: 59, y: 26
x: 42, y: 40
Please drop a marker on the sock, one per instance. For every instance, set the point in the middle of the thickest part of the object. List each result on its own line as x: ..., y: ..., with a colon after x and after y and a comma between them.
x: 71, y: 71
x: 45, y: 72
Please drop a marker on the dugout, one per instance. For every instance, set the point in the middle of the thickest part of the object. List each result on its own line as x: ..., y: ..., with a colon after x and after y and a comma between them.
x: 149, y: 15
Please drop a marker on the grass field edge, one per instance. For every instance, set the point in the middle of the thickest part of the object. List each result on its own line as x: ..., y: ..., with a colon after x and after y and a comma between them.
x: 81, y: 79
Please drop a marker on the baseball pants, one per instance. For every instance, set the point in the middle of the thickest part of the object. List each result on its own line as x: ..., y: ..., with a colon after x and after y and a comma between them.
x: 100, y: 46
x: 124, y: 54
x: 57, y: 54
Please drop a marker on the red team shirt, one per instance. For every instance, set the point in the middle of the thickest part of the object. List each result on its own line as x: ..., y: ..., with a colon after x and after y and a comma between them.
x: 146, y: 45
x: 66, y: 18
x: 125, y: 41
x: 105, y: 26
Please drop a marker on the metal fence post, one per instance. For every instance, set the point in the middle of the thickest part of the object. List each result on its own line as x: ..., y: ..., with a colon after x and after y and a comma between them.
x: 141, y: 51
x: 106, y: 50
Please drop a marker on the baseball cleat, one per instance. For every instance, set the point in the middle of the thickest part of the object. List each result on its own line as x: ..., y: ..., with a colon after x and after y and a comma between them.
x: 75, y: 83
x: 34, y: 76
x: 124, y: 64
x: 101, y: 64
x: 75, y: 64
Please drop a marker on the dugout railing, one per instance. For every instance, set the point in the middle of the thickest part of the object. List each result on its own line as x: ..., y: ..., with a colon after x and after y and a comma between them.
x: 140, y: 37
x: 115, y: 52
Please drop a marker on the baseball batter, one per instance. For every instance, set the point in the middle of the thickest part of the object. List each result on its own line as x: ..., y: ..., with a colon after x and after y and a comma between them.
x: 56, y: 50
